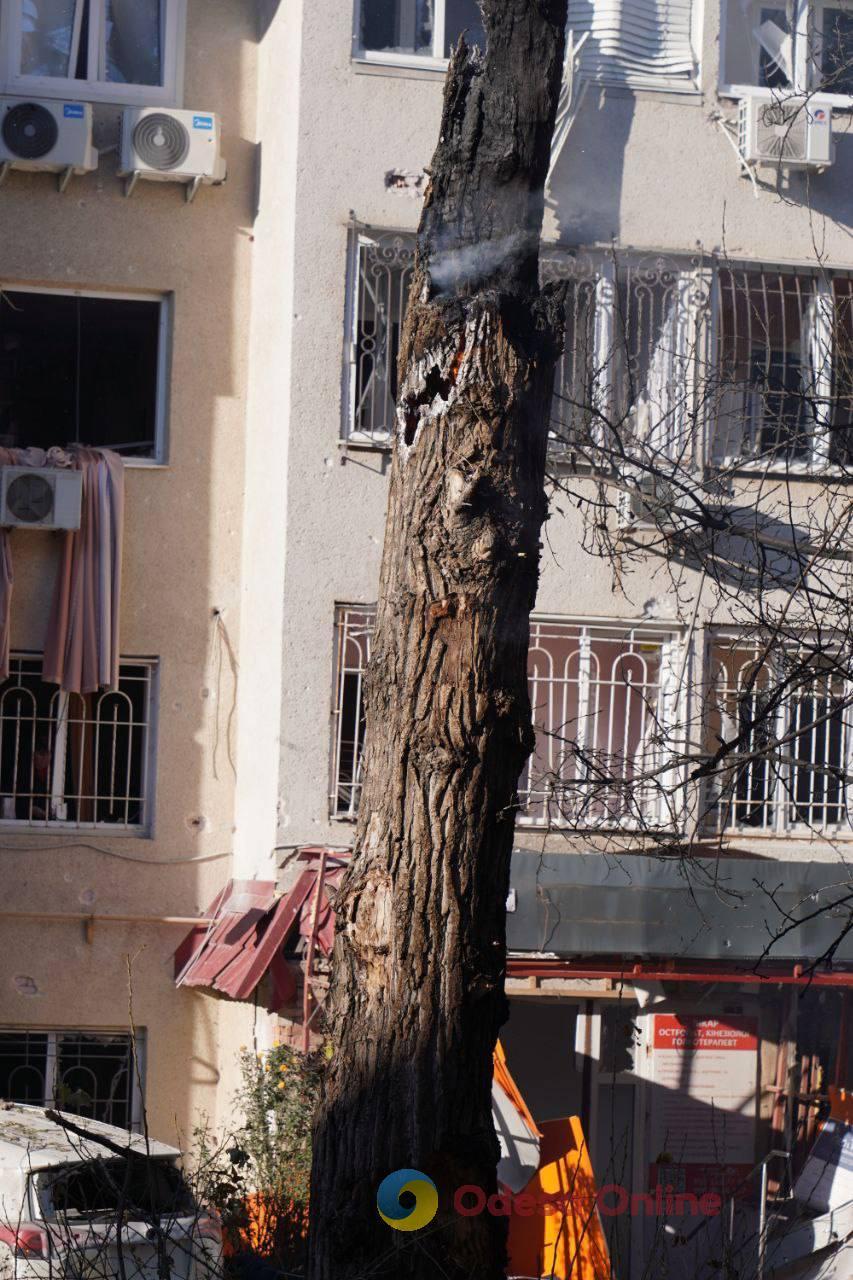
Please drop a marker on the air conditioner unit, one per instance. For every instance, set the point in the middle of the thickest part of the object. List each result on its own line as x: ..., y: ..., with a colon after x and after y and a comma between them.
x: 40, y: 498
x: 51, y: 137
x: 171, y: 146
x: 795, y: 133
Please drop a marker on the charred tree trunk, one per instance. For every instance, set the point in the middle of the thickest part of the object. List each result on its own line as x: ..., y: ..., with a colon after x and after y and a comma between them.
x: 418, y: 972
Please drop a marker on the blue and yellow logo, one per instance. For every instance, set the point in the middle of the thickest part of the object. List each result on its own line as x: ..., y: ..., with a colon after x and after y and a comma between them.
x: 409, y: 1217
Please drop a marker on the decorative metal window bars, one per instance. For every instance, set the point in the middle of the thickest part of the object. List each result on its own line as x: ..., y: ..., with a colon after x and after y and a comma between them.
x: 354, y: 632
x: 68, y: 760
x: 783, y: 377
x: 605, y: 708
x: 89, y: 1074
x: 794, y: 753
x: 379, y: 289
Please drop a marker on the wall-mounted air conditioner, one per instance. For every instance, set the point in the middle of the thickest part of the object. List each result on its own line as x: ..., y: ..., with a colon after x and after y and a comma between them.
x: 40, y: 498
x: 794, y: 132
x: 51, y: 137
x: 171, y: 146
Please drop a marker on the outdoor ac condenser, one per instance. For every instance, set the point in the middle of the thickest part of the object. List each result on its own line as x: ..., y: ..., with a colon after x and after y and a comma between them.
x: 52, y: 137
x: 793, y: 132
x: 40, y: 498
x: 171, y: 146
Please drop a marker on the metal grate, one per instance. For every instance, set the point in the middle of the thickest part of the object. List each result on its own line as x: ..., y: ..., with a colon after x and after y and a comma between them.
x: 793, y: 753
x: 69, y: 760
x: 383, y: 273
x: 86, y: 1074
x: 783, y: 389
x: 604, y: 707
x: 354, y: 630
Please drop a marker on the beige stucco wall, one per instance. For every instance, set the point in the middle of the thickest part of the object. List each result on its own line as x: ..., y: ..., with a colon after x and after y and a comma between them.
x: 185, y: 557
x: 651, y: 170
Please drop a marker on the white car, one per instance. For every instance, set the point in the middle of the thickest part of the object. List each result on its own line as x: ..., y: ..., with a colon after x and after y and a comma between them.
x: 80, y: 1200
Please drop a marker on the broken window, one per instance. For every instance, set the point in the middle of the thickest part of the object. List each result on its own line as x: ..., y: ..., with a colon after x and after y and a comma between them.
x: 784, y: 375
x: 804, y: 46
x: 605, y: 708
x: 84, y: 1073
x: 424, y: 29
x: 72, y: 760
x: 789, y: 724
x: 112, y: 50
x: 132, y: 1186
x: 79, y: 369
x: 645, y: 43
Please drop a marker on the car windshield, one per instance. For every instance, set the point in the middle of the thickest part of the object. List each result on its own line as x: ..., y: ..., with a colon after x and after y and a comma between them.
x: 137, y: 1187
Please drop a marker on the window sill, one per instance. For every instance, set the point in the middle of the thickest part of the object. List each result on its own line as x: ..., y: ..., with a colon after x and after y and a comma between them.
x: 365, y: 445
x: 114, y: 95
x: 838, y: 101
x: 412, y: 68
x: 59, y: 829
x: 144, y: 464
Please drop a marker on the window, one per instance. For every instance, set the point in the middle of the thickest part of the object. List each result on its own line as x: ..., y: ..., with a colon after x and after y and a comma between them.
x: 641, y: 43
x: 803, y: 46
x: 85, y: 1073
x: 631, y: 347
x: 71, y: 760
x: 86, y: 369
x: 354, y: 629
x: 783, y: 367
x: 794, y: 754
x: 604, y: 706
x: 122, y: 51
x: 381, y: 276
x: 419, y: 30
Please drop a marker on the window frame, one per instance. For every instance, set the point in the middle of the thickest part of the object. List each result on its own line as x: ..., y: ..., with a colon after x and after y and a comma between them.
x: 137, y: 1059
x: 805, y: 31
x: 144, y: 830
x: 414, y: 61
x: 170, y: 94
x: 781, y: 802
x: 165, y: 303
x: 819, y: 464
x: 669, y: 639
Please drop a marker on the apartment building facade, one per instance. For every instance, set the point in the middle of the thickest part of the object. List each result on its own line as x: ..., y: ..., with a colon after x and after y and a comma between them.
x: 143, y: 323
x: 631, y: 996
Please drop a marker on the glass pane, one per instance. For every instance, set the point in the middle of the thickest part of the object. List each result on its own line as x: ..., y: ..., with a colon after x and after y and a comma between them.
x: 397, y: 26
x: 462, y: 15
x: 771, y: 71
x: 49, y: 37
x: 837, y: 50
x: 134, y: 41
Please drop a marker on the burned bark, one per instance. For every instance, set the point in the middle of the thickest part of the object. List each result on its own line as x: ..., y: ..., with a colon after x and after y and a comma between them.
x: 417, y: 997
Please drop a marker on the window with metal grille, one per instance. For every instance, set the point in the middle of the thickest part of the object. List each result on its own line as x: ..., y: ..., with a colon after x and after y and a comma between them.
x: 71, y: 760
x: 605, y: 708
x: 86, y: 1073
x: 628, y: 369
x: 425, y: 30
x: 792, y: 728
x: 381, y: 276
x: 783, y: 367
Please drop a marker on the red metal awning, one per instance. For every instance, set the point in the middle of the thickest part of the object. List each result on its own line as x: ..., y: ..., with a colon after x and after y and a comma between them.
x: 250, y: 927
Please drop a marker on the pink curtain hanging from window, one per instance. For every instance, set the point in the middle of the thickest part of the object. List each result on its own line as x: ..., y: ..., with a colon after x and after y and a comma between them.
x: 81, y: 651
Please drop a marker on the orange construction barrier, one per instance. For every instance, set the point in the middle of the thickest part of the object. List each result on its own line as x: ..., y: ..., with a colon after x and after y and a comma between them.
x: 567, y: 1243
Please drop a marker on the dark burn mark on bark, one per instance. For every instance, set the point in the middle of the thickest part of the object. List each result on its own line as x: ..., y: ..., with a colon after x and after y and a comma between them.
x: 435, y: 386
